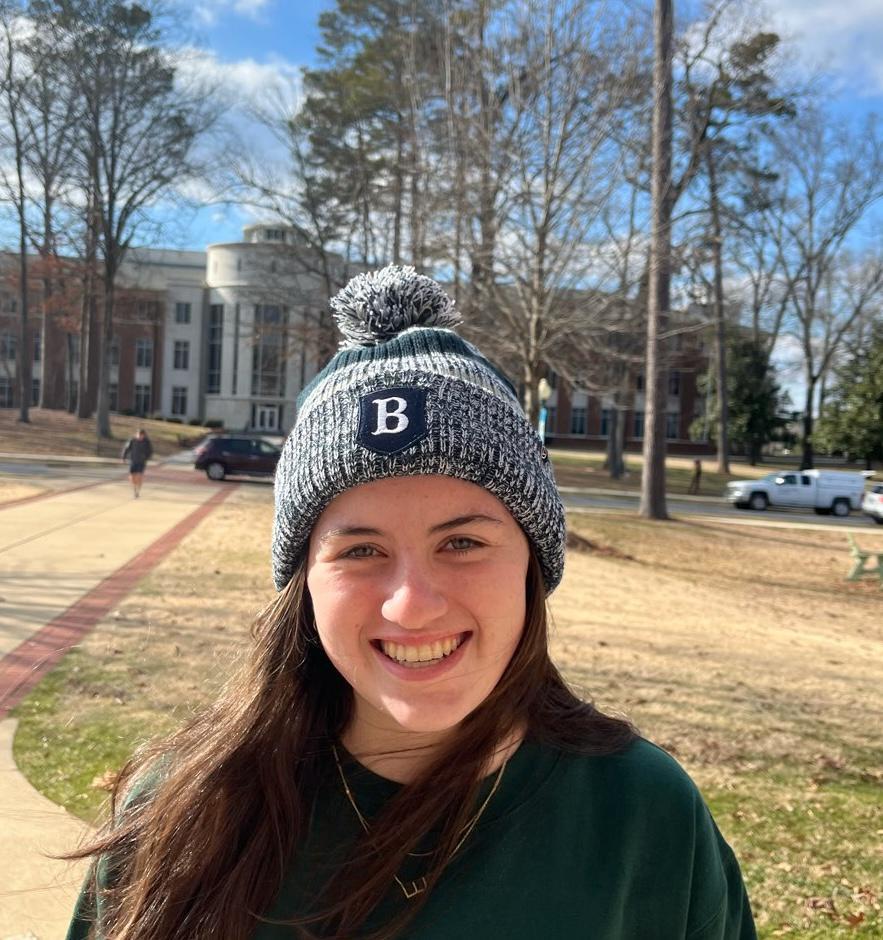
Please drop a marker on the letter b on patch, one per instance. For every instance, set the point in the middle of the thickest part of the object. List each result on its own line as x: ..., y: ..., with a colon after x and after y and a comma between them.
x: 392, y: 419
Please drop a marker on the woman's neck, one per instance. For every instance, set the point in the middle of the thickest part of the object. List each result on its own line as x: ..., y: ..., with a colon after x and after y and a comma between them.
x: 400, y: 755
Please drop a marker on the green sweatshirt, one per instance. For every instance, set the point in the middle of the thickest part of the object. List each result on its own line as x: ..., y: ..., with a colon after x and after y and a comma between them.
x: 597, y: 848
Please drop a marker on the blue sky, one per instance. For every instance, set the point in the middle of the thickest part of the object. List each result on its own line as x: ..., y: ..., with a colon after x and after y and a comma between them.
x: 249, y: 42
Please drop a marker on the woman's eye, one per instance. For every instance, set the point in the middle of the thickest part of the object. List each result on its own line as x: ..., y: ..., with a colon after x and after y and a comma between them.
x: 360, y: 551
x: 462, y: 543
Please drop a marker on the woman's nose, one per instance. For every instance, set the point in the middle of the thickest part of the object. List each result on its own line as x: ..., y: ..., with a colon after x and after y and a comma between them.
x: 414, y: 598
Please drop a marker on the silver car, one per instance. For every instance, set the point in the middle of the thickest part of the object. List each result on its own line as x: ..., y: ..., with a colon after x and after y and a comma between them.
x: 872, y: 504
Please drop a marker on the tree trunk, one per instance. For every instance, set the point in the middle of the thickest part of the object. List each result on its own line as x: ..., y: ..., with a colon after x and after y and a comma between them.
x: 723, y: 443
x: 653, y: 479
x: 102, y: 420
x: 69, y: 404
x: 615, y: 441
x: 25, y: 346
x: 806, y: 460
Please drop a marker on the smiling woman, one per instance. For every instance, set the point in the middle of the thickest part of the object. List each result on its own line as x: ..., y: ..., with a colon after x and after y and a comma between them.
x: 399, y: 756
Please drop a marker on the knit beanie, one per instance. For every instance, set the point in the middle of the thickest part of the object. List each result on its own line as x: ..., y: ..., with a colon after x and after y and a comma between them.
x: 406, y: 395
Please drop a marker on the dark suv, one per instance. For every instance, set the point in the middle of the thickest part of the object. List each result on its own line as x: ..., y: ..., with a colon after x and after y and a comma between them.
x: 225, y: 454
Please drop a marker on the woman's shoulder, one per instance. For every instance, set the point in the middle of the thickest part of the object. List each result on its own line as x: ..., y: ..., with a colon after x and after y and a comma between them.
x: 640, y: 778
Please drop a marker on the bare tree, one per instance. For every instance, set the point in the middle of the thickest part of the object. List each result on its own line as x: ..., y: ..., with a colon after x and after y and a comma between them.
x: 564, y: 161
x: 653, y: 480
x: 140, y: 127
x: 832, y: 175
x: 15, y: 142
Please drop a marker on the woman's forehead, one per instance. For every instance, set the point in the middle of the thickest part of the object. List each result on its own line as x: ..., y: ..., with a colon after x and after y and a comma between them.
x: 432, y: 496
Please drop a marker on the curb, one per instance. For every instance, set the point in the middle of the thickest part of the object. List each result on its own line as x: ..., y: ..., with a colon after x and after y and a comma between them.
x: 61, y: 460
x: 635, y: 494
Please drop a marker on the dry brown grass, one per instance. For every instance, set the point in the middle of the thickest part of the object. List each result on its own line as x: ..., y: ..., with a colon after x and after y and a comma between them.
x: 740, y: 649
x: 63, y: 434
x: 12, y: 489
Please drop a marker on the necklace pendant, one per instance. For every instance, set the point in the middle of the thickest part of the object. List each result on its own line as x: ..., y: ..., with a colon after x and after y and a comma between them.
x: 414, y: 888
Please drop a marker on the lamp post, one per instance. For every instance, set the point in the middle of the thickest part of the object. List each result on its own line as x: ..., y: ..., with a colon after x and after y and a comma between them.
x: 544, y: 391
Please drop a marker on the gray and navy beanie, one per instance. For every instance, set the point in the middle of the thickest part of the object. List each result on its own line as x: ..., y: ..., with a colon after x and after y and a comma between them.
x: 406, y: 395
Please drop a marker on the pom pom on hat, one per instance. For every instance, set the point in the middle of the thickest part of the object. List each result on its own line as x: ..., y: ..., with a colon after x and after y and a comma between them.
x: 377, y: 306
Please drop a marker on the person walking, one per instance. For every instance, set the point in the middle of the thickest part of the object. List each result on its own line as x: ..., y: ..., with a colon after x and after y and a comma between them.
x: 137, y: 450
x: 696, y: 479
x: 398, y: 756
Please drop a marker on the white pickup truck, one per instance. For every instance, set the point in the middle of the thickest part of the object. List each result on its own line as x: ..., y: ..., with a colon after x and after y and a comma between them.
x: 825, y: 491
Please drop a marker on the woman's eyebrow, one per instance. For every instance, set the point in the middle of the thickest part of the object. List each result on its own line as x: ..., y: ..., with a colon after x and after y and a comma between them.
x: 346, y: 531
x: 358, y: 530
x: 464, y: 520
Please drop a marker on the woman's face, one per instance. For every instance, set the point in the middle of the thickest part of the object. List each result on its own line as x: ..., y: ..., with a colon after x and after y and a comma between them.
x: 418, y: 588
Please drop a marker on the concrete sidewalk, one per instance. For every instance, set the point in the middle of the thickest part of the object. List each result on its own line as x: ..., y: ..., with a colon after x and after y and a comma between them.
x: 68, y: 557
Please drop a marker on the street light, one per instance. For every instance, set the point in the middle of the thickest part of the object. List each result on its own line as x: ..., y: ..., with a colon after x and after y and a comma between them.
x: 544, y: 391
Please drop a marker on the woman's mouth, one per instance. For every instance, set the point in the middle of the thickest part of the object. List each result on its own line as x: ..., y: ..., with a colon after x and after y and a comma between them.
x: 420, y: 655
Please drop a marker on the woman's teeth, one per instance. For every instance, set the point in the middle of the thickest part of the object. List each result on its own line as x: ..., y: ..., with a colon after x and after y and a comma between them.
x: 422, y: 654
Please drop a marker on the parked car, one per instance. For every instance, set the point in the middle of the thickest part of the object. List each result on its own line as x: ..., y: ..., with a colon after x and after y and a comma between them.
x: 872, y: 504
x: 229, y: 454
x: 825, y: 491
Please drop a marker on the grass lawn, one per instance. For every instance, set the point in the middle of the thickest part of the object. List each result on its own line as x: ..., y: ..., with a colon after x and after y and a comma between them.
x: 740, y: 649
x: 13, y: 489
x: 63, y: 434
x: 586, y: 468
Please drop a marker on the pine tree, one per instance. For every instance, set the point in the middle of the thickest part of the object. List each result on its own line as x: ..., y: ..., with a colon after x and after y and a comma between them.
x: 852, y: 419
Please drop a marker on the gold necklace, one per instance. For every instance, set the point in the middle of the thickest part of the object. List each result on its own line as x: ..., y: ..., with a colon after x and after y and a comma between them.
x: 419, y: 886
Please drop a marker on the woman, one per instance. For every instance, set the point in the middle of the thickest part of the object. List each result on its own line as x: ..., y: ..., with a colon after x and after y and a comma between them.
x: 137, y: 450
x: 399, y: 757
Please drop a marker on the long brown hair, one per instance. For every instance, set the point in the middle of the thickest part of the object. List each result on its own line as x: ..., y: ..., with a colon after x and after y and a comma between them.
x: 212, y: 817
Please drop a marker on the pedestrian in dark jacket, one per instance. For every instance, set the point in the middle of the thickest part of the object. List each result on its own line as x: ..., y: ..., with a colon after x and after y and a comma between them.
x: 138, y: 451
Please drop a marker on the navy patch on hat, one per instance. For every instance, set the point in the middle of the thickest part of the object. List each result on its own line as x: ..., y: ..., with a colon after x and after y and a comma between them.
x: 392, y: 419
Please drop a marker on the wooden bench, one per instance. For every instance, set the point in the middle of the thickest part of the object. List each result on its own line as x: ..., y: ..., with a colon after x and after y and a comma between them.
x: 860, y: 561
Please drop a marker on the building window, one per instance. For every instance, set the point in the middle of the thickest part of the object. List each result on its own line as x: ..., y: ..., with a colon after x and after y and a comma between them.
x: 179, y: 400
x: 672, y: 425
x: 268, y: 355
x: 639, y: 382
x: 182, y: 354
x: 142, y: 399
x: 674, y: 384
x: 182, y: 313
x: 5, y: 391
x: 215, y: 341
x: 148, y: 309
x: 113, y: 396
x: 274, y: 235
x: 638, y: 429
x: 8, y: 346
x: 35, y: 392
x: 605, y: 422
x: 577, y: 420
x: 143, y: 353
x: 115, y: 352
x: 38, y: 346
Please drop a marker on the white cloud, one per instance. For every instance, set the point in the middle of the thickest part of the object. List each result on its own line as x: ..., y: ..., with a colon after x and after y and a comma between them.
x: 208, y: 13
x: 245, y: 82
x: 842, y: 36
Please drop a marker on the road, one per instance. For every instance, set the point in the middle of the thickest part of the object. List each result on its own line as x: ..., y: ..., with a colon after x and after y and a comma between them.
x: 719, y: 509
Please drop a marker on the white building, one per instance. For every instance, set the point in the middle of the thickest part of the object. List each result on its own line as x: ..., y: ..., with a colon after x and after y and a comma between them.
x: 237, y: 335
